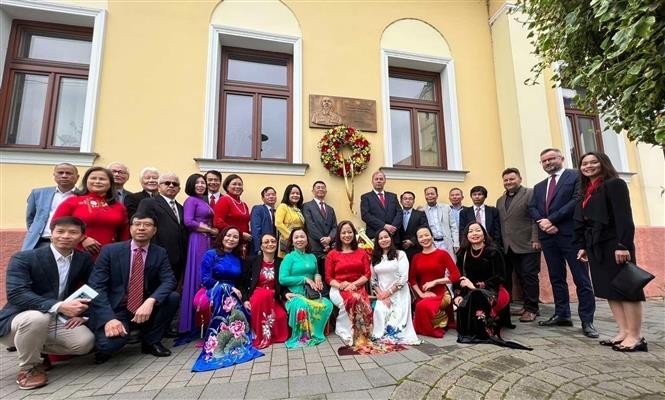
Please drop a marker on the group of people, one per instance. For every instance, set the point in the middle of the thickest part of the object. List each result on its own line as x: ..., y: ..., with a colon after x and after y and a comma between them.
x: 243, y: 279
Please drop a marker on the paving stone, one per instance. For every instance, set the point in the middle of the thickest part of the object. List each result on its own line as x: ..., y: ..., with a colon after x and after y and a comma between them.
x: 379, y: 377
x: 382, y: 393
x: 130, y: 389
x: 415, y: 355
x: 140, y: 396
x: 348, y: 381
x: 350, y: 365
x: 357, y: 394
x: 389, y: 358
x: 279, y: 372
x: 111, y: 387
x: 157, y: 383
x: 435, y: 394
x: 399, y: 371
x: 259, y: 377
x: 308, y: 385
x: 185, y: 393
x: 270, y: 389
x: 410, y: 390
x: 232, y: 390
x: 336, y: 368
x: 426, y: 374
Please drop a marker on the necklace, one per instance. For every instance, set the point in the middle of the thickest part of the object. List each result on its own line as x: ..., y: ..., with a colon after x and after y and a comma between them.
x: 478, y: 254
x: 242, y: 210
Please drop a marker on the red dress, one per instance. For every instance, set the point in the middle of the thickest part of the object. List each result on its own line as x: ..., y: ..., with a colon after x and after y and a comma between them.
x: 269, y: 320
x: 432, y: 315
x: 231, y: 211
x: 106, y: 223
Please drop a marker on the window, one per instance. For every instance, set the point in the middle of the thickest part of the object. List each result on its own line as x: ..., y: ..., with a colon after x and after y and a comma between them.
x: 584, y: 130
x: 416, y: 119
x: 43, y: 94
x: 255, y: 105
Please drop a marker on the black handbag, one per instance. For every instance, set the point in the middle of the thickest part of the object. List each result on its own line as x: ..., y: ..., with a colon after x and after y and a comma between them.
x: 631, y: 279
x: 314, y: 294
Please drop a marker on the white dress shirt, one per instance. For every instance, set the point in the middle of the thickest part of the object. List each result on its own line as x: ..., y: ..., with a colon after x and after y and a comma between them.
x: 63, y: 262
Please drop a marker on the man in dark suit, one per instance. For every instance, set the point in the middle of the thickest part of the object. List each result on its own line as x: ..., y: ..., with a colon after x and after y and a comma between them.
x: 521, y: 246
x: 149, y: 178
x: 120, y: 177
x: 168, y: 215
x: 36, y: 318
x: 488, y: 216
x: 380, y: 209
x: 42, y: 203
x: 214, y: 182
x: 321, y: 223
x: 262, y: 217
x: 412, y: 220
x: 552, y: 207
x: 136, y: 287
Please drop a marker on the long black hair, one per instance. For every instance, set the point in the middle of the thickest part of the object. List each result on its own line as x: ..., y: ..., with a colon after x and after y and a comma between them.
x: 287, y: 193
x: 607, y: 170
x: 219, y: 244
x: 377, y: 253
x: 464, y: 240
x: 110, y: 194
x: 338, y: 235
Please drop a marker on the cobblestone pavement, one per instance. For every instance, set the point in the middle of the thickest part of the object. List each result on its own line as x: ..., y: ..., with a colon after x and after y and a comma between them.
x: 564, y: 364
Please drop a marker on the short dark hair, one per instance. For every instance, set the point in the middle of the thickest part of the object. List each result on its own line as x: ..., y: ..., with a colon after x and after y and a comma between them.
x: 287, y: 192
x: 477, y: 189
x: 190, y: 185
x: 547, y: 150
x: 377, y: 252
x: 68, y: 220
x: 289, y: 243
x: 407, y: 192
x: 219, y: 246
x: 431, y: 187
x: 142, y: 215
x: 456, y: 188
x: 213, y: 172
x: 265, y: 190
x: 110, y: 194
x: 228, y: 179
x: 511, y: 170
x: 338, y: 235
x: 317, y: 182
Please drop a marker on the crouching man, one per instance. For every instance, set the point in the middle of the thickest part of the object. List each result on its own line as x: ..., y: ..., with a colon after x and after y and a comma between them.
x: 36, y: 319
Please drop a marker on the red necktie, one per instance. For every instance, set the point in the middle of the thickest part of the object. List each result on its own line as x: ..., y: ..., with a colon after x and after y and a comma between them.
x: 550, y: 193
x: 135, y: 293
x: 323, y: 209
x: 382, y: 200
x: 212, y: 201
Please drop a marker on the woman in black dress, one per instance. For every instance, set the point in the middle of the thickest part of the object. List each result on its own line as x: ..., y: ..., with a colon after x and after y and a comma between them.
x: 604, y: 232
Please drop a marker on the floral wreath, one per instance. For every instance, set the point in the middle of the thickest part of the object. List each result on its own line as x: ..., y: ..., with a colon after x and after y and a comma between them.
x: 331, y: 145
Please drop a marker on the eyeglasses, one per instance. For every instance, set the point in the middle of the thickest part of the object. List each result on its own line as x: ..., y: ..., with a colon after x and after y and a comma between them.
x: 269, y: 241
x: 118, y: 172
x: 143, y: 224
x: 170, y: 183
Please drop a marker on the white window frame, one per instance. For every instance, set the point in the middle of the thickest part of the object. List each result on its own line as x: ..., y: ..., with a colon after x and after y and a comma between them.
x: 218, y: 36
x: 71, y: 15
x: 446, y: 68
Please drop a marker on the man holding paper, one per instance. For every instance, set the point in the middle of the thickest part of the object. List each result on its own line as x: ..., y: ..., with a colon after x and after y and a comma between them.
x: 38, y: 316
x: 136, y: 287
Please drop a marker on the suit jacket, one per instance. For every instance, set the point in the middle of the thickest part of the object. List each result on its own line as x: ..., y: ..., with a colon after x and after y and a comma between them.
x: 37, y: 214
x: 518, y: 229
x: 417, y: 220
x: 110, y: 278
x: 562, y: 205
x: 376, y: 216
x: 260, y: 223
x: 122, y: 194
x: 492, y: 222
x: 446, y: 223
x: 171, y: 231
x: 132, y: 201
x: 317, y: 225
x: 250, y: 277
x: 33, y: 282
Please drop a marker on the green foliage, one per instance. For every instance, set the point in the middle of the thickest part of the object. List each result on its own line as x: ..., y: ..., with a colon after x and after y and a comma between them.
x: 614, y: 50
x: 223, y: 338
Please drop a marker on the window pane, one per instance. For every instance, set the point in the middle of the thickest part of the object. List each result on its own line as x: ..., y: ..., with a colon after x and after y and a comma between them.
x: 60, y: 49
x: 612, y: 142
x: 571, y: 139
x: 587, y: 134
x: 273, y: 128
x: 26, y: 113
x: 238, y: 126
x: 428, y: 136
x: 69, y: 118
x: 257, y: 72
x: 400, y: 134
x: 412, y: 88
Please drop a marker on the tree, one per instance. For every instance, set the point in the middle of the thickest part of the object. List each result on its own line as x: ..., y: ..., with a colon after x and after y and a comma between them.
x: 612, y: 49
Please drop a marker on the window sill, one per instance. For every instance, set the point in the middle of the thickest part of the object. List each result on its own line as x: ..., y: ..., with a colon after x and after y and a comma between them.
x: 424, y: 174
x: 252, y: 167
x: 627, y: 176
x: 46, y: 157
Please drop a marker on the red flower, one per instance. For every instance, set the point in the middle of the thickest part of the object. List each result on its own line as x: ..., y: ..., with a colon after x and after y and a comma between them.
x: 340, y: 172
x: 352, y: 130
x: 325, y: 148
x: 302, y: 315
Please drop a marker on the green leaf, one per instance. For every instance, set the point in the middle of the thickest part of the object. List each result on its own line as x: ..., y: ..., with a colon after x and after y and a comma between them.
x: 643, y: 26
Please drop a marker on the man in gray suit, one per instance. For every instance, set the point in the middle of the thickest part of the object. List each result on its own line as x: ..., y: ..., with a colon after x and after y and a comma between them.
x: 520, y: 241
x: 321, y: 223
x: 42, y: 203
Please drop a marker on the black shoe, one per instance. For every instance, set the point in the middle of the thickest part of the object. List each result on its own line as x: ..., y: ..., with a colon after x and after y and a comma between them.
x: 555, y: 320
x: 11, y: 349
x: 101, y: 358
x: 608, y: 343
x: 639, y: 346
x: 171, y: 333
x: 589, y: 331
x: 156, y: 350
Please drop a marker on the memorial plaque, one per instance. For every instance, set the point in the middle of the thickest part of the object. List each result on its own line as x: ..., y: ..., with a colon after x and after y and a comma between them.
x: 327, y: 111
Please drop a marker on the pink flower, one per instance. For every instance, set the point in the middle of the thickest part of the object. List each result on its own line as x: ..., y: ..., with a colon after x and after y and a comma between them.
x: 211, y: 344
x: 229, y: 303
x: 237, y: 328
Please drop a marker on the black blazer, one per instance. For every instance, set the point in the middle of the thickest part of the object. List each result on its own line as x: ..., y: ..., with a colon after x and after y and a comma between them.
x: 250, y: 276
x: 171, y: 232
x: 33, y: 282
x: 562, y: 206
x: 376, y: 216
x: 132, y: 201
x: 417, y: 220
x: 317, y: 226
x: 110, y: 278
x: 467, y: 215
